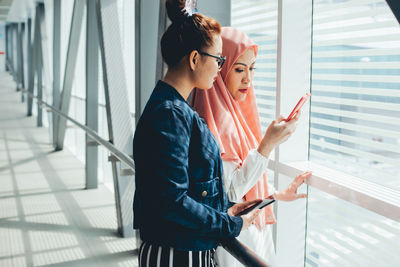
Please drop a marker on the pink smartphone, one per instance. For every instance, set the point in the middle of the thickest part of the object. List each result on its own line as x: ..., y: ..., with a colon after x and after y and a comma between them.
x: 298, y: 106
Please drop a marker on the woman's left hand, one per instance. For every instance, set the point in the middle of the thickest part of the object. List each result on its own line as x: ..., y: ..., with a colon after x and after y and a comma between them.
x: 290, y: 193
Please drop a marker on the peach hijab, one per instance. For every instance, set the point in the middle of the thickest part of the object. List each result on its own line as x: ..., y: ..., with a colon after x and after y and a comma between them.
x: 235, y: 125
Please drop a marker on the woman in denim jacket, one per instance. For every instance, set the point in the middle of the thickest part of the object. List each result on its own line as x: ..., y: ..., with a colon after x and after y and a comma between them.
x: 180, y: 206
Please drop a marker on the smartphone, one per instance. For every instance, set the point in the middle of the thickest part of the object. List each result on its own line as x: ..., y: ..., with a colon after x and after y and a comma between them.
x: 298, y: 106
x: 259, y: 205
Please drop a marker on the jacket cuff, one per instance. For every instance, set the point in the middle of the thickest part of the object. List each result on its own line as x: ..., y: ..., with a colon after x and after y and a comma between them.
x: 238, y: 221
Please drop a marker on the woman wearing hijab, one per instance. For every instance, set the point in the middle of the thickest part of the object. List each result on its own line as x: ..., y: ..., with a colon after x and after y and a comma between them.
x: 230, y: 110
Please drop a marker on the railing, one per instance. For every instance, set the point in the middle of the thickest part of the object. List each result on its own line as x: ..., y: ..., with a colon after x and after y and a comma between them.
x: 370, y: 196
x: 242, y: 253
x: 92, y: 134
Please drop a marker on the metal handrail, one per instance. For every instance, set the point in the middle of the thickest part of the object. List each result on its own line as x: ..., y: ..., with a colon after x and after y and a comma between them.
x: 236, y: 248
x: 92, y: 134
x: 242, y: 253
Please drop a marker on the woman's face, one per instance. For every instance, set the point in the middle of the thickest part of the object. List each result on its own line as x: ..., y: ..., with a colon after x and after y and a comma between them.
x: 241, y: 75
x: 209, y: 68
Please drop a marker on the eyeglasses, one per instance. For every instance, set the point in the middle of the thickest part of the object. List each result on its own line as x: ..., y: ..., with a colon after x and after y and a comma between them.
x: 220, y: 59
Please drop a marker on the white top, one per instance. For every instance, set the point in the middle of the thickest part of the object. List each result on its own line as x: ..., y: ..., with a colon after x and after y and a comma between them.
x: 238, y: 180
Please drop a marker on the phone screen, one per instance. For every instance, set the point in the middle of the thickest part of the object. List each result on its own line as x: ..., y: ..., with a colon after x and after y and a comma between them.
x: 298, y: 106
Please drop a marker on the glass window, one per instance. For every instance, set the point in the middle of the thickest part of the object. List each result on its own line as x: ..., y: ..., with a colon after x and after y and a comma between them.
x: 354, y: 118
x: 355, y: 108
x: 355, y: 128
x: 342, y: 234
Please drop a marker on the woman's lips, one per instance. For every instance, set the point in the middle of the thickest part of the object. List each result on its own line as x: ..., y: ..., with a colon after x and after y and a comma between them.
x: 243, y: 91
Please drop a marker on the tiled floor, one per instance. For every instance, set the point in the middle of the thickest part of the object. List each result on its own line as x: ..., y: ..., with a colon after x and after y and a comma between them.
x: 46, y: 216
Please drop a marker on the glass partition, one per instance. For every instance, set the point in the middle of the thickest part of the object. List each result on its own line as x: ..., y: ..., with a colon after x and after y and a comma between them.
x: 342, y: 234
x: 355, y: 128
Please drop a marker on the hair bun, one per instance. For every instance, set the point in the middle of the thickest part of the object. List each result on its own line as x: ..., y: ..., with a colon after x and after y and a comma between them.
x: 189, y: 31
x: 176, y: 10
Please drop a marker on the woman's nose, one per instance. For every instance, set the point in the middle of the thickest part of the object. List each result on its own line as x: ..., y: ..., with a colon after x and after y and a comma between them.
x: 246, y: 78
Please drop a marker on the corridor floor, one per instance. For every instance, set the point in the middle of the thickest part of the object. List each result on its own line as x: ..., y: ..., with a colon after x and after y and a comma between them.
x: 46, y: 216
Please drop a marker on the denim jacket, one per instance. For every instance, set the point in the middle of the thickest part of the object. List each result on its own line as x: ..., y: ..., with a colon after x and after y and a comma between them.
x: 179, y: 198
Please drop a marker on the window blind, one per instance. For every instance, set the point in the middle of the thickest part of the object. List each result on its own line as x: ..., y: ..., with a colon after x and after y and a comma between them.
x: 355, y: 108
x: 258, y: 19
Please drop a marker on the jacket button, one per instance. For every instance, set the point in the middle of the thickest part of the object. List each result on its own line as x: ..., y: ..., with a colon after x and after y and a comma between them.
x: 204, y: 194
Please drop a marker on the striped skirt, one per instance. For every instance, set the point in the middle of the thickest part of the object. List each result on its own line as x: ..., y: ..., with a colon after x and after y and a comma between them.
x: 160, y: 256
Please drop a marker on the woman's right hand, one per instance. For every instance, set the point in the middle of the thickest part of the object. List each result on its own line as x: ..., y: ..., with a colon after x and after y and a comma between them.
x: 278, y: 132
x: 247, y: 218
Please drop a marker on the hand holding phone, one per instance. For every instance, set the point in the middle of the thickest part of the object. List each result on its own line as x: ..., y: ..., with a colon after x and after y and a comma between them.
x: 259, y: 205
x: 298, y: 106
